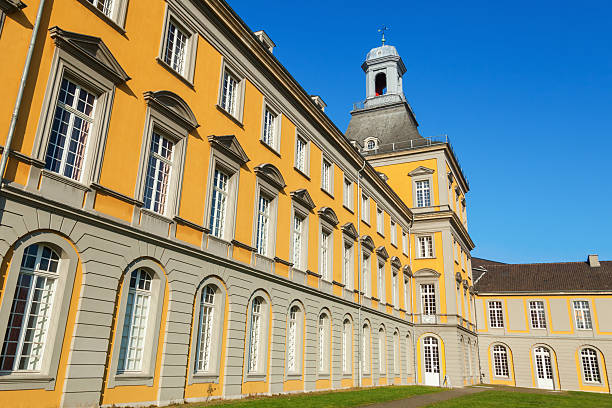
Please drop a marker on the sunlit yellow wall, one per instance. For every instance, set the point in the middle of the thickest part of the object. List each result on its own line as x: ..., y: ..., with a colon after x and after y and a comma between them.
x: 401, y: 183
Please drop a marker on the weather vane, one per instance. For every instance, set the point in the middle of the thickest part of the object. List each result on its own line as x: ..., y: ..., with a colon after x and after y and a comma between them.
x: 382, y: 30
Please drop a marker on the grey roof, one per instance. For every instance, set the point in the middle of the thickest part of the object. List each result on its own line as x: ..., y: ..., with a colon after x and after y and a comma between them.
x: 543, y: 277
x: 383, y: 51
x: 392, y: 123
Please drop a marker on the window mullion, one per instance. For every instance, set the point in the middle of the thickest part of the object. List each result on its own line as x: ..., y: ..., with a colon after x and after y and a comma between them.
x: 26, y: 318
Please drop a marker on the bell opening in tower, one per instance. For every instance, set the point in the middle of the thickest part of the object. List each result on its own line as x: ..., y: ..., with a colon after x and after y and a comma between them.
x: 380, y: 83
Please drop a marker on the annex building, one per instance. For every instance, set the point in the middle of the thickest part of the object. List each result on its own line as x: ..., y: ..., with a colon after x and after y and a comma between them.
x: 180, y: 220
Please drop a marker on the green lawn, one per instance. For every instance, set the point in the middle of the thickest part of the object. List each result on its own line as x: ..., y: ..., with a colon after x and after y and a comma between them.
x: 328, y: 399
x: 511, y: 399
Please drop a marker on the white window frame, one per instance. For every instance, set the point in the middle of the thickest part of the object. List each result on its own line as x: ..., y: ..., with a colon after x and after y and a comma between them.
x: 537, y: 314
x: 396, y: 353
x: 236, y: 108
x: 429, y: 299
x: 365, y: 208
x: 324, y: 343
x: 407, y: 293
x: 348, y: 194
x: 190, y: 50
x: 347, y: 346
x: 257, y: 354
x: 369, y: 140
x: 590, y: 366
x: 381, y: 281
x: 496, y: 314
x: 116, y: 13
x: 327, y: 175
x: 366, y: 269
x: 425, y: 245
x: 295, y: 336
x: 326, y: 249
x: 366, y: 348
x: 302, y: 160
x: 395, y: 287
x: 348, y: 263
x: 393, y: 232
x: 380, y: 220
x: 299, y: 240
x: 382, y: 351
x: 582, y: 314
x: 501, y: 365
x: 271, y: 137
x: 427, y: 200
x: 405, y: 242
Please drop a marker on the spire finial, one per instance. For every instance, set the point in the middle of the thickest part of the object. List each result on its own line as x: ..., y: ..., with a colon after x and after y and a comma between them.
x: 382, y: 30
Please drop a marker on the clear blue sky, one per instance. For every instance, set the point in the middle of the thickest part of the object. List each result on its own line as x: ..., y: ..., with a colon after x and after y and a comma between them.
x: 522, y: 88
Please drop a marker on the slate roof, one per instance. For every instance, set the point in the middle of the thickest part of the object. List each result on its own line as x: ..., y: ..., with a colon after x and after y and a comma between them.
x: 543, y: 277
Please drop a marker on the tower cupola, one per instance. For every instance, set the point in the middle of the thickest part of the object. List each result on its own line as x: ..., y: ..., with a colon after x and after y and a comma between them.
x: 384, y: 69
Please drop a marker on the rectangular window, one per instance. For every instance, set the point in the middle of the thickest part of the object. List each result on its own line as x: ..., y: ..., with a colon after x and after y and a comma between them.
x: 158, y: 173
x: 536, y: 312
x: 263, y: 225
x: 496, y: 314
x: 582, y: 314
x: 347, y: 266
x: 423, y: 194
x: 404, y: 243
x: 348, y: 194
x: 428, y: 299
x: 380, y: 221
x: 301, y: 155
x: 393, y: 233
x: 70, y: 132
x: 218, y: 207
x: 381, y: 282
x: 326, y: 176
x: 407, y: 295
x: 365, y: 208
x: 425, y: 246
x: 367, y: 280
x: 229, y: 95
x: 324, y: 256
x: 298, y: 237
x: 105, y: 6
x: 395, y: 289
x: 175, y: 51
x: 269, y: 131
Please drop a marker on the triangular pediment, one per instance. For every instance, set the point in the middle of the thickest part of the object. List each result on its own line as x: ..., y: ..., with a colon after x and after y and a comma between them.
x: 367, y: 242
x: 271, y: 174
x: 395, y: 262
x: 382, y: 252
x: 421, y: 170
x: 426, y: 273
x: 172, y: 106
x: 229, y: 145
x: 92, y: 51
x: 11, y: 6
x: 328, y: 215
x: 407, y: 270
x: 350, y: 230
x: 302, y: 196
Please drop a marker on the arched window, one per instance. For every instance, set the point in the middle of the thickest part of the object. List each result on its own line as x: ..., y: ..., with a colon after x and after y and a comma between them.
x: 371, y: 145
x: 409, y: 356
x: 500, y: 361
x: 255, y: 334
x: 324, y: 343
x: 294, y: 336
x: 28, y: 323
x: 396, y: 352
x: 207, y: 325
x: 347, y: 346
x: 366, y: 347
x: 135, y: 321
x: 590, y: 365
x: 382, y: 363
x: 380, y: 83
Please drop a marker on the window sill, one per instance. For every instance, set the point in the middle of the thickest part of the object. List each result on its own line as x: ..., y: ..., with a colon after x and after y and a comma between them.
x: 380, y: 234
x: 328, y: 193
x: 230, y: 116
x: 255, y: 377
x: 205, y: 378
x: 103, y: 17
x: 173, y: 72
x: 156, y: 215
x: 270, y: 148
x: 302, y: 173
x: 23, y: 381
x: 323, y: 376
x: 62, y: 179
x: 366, y: 222
x: 425, y: 257
x: 131, y: 379
x: 348, y: 209
x: 293, y: 376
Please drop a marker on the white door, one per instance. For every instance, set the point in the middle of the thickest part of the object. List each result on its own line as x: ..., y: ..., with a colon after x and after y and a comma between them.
x: 543, y: 366
x: 431, y: 361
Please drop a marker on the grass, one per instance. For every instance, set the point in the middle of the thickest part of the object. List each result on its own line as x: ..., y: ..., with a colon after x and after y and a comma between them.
x: 515, y: 399
x: 329, y: 399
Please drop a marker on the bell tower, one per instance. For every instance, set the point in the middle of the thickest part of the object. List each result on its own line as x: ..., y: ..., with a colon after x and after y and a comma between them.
x: 384, y: 69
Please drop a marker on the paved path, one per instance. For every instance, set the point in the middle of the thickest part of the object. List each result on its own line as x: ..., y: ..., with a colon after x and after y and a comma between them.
x: 426, y: 399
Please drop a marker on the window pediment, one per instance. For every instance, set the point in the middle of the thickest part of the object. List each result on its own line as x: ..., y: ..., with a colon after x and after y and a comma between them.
x: 10, y: 6
x: 350, y: 230
x: 420, y: 171
x: 303, y: 197
x: 229, y: 145
x: 382, y: 252
x: 367, y: 242
x: 458, y: 277
x: 173, y: 106
x: 426, y: 273
x: 395, y: 261
x: 328, y: 215
x: 407, y: 271
x: 271, y: 174
x: 92, y: 51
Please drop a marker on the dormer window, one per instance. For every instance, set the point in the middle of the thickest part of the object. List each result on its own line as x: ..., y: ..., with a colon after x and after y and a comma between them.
x: 380, y: 82
x: 371, y: 143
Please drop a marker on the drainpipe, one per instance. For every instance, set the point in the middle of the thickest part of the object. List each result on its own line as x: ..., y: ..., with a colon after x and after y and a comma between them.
x: 359, y: 263
x: 22, y: 84
x: 414, y: 342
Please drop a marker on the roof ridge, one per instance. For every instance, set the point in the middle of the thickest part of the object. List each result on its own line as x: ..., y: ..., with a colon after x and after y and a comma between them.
x: 544, y: 263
